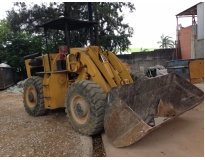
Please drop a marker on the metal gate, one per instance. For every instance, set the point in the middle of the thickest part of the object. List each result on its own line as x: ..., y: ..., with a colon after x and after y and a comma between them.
x: 6, y: 77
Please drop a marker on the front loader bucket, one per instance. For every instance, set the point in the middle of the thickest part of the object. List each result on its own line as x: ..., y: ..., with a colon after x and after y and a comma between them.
x: 134, y: 110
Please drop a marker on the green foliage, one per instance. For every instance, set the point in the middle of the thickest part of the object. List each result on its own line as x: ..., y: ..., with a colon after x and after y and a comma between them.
x: 19, y: 35
x: 113, y: 33
x: 24, y: 18
x: 14, y: 46
x: 166, y: 42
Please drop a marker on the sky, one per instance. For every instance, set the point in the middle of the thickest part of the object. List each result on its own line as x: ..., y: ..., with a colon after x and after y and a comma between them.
x: 150, y: 20
x: 154, y: 18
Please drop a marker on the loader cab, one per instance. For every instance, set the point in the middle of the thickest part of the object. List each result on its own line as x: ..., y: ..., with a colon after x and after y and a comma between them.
x: 67, y: 25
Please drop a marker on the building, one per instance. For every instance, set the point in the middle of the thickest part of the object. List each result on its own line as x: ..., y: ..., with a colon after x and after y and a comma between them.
x: 190, y: 40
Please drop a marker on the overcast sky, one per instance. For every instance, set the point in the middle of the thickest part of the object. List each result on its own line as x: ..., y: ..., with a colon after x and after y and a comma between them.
x: 150, y: 20
x: 154, y: 18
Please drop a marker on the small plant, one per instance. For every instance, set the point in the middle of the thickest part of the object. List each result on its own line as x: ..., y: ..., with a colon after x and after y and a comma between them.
x: 143, y: 50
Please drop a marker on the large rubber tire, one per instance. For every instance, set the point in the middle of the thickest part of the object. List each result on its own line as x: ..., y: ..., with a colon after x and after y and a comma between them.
x: 85, y: 102
x: 33, y: 97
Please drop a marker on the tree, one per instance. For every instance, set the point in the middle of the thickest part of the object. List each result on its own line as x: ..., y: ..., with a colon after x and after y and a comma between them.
x: 14, y: 46
x: 166, y: 42
x: 24, y: 17
x: 113, y: 33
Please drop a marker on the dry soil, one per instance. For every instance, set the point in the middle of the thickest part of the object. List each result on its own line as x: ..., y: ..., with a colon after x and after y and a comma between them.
x: 45, y: 136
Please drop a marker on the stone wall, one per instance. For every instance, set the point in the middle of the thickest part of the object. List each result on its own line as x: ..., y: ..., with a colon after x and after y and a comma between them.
x: 141, y: 61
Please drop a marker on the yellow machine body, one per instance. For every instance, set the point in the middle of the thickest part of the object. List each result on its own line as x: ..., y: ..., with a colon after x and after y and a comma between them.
x: 108, y: 72
x: 98, y: 92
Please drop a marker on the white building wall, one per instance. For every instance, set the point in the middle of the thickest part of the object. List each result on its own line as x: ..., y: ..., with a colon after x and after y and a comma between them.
x: 200, y: 19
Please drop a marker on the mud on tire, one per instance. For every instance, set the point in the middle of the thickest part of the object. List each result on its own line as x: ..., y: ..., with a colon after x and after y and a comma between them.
x: 84, y: 102
x: 33, y: 97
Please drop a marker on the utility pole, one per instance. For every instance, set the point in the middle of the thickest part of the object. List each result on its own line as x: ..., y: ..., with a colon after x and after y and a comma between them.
x: 90, y: 18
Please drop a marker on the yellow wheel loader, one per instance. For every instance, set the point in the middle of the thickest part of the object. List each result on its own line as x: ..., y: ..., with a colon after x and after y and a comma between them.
x: 98, y: 92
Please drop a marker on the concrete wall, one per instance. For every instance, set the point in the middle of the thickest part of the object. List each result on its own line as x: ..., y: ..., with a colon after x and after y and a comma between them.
x: 199, y: 48
x: 200, y: 20
x: 193, y: 38
x: 141, y: 61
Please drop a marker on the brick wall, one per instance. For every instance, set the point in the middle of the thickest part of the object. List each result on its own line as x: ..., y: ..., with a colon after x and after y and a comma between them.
x: 185, y: 42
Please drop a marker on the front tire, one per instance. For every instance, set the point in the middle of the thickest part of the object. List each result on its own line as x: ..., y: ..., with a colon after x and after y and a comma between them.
x: 84, y: 102
x: 33, y: 97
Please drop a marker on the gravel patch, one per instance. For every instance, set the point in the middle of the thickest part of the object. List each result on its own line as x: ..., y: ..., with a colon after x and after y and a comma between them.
x: 45, y: 136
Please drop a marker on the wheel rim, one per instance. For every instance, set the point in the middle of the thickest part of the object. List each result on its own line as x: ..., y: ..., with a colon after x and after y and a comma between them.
x: 31, y: 96
x: 79, y: 109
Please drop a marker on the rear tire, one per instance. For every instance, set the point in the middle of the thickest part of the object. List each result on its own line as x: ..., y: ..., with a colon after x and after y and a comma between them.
x: 33, y: 97
x: 84, y: 102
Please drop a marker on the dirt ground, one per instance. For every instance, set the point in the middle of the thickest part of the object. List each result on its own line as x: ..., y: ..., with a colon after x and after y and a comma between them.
x: 181, y: 137
x: 46, y: 136
x: 52, y: 136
